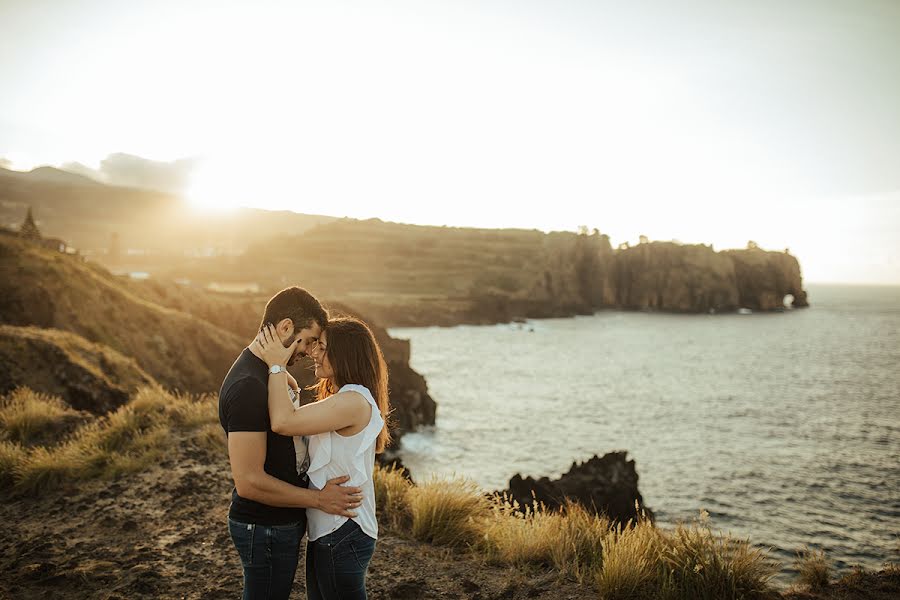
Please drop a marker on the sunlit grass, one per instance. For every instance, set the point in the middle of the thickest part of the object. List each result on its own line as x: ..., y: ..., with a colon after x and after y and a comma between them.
x: 391, y: 490
x: 514, y: 537
x: 11, y: 455
x: 578, y: 551
x: 26, y: 415
x: 630, y: 566
x: 700, y: 563
x: 133, y: 438
x: 446, y: 511
x: 623, y: 561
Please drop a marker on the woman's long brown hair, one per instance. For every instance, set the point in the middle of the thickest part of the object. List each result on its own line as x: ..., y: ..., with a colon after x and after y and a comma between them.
x: 355, y: 357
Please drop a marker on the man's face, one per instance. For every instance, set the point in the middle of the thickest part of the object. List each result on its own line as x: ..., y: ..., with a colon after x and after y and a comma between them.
x: 307, y: 336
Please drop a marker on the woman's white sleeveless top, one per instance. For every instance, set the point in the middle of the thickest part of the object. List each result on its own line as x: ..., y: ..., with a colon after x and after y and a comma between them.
x: 332, y: 455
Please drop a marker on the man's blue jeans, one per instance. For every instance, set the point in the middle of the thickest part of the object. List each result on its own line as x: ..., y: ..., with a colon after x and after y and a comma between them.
x: 269, y: 555
x: 336, y: 564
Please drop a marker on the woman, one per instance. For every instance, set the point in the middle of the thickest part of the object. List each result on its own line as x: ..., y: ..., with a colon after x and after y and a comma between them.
x: 347, y: 427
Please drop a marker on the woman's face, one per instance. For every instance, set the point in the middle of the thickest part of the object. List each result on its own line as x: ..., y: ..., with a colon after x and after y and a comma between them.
x: 320, y: 356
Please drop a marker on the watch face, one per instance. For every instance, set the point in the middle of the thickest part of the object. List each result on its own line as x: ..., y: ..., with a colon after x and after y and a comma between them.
x: 275, y: 369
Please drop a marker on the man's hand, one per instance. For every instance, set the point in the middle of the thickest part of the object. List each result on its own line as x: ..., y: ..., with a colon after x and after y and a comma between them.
x: 336, y: 499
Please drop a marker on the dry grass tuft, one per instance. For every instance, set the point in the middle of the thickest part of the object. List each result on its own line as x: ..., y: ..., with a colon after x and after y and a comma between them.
x: 391, y: 491
x: 211, y: 438
x: 699, y: 563
x: 509, y: 536
x: 630, y: 565
x: 11, y: 455
x: 26, y: 415
x: 578, y: 551
x: 130, y: 439
x: 446, y: 511
x: 813, y: 568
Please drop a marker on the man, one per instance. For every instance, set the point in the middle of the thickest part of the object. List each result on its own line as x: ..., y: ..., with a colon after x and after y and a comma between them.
x: 267, y: 518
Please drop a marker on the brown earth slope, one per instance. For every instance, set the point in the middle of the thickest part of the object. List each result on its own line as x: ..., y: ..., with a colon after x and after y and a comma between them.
x: 86, y: 376
x: 46, y: 289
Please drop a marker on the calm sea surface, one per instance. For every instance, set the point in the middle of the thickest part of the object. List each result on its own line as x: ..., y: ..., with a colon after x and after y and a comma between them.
x: 785, y: 426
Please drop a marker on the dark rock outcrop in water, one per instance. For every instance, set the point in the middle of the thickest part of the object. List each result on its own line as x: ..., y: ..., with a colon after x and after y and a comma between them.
x: 607, y: 485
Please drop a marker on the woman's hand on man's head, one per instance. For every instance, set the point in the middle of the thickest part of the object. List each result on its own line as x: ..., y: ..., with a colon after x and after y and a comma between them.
x: 271, y: 349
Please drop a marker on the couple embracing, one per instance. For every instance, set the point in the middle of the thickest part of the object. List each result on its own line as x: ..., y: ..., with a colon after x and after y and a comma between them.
x: 305, y: 469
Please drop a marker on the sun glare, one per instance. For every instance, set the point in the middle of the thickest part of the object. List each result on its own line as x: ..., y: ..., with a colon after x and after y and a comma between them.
x: 214, y: 189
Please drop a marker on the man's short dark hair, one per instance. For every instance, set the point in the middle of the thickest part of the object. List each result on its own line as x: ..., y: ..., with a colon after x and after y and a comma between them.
x: 296, y: 304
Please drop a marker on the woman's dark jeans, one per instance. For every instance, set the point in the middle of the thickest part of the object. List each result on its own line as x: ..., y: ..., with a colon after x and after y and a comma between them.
x: 336, y: 564
x: 269, y: 555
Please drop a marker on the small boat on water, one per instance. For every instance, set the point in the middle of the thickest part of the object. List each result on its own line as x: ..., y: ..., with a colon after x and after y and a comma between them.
x: 744, y: 311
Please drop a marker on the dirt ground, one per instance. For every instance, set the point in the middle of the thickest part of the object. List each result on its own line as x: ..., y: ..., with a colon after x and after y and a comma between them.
x: 162, y: 534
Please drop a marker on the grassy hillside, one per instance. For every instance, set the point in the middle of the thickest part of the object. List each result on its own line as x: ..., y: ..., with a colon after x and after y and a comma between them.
x: 182, y: 337
x: 85, y: 375
x: 47, y: 289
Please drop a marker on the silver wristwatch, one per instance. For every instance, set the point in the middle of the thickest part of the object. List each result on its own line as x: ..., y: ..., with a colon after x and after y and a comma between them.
x: 275, y: 369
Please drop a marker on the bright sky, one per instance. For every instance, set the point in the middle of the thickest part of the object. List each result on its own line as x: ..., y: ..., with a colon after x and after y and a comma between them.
x: 700, y: 120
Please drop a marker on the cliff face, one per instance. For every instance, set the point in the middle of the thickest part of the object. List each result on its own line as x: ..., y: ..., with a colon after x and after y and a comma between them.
x: 765, y: 278
x: 694, y: 278
x: 670, y: 277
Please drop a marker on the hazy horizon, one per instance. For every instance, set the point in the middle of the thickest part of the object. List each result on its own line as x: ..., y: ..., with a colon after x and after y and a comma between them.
x: 707, y: 123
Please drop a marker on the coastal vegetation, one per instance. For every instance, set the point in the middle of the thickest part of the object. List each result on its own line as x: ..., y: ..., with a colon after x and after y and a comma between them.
x: 131, y: 438
x: 619, y: 561
x: 634, y: 560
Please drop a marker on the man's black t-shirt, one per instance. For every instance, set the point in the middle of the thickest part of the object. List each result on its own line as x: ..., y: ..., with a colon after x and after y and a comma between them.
x: 244, y: 406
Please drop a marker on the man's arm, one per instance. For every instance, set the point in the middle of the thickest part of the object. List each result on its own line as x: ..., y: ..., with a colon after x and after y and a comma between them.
x: 247, y: 453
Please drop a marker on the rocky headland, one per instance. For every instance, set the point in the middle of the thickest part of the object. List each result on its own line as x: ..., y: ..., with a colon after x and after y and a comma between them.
x: 406, y: 275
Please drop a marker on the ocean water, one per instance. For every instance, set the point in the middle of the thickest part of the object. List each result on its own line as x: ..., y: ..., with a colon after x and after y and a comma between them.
x: 784, y: 426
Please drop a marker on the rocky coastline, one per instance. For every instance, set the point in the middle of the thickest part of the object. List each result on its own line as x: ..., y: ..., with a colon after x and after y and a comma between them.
x: 567, y: 274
